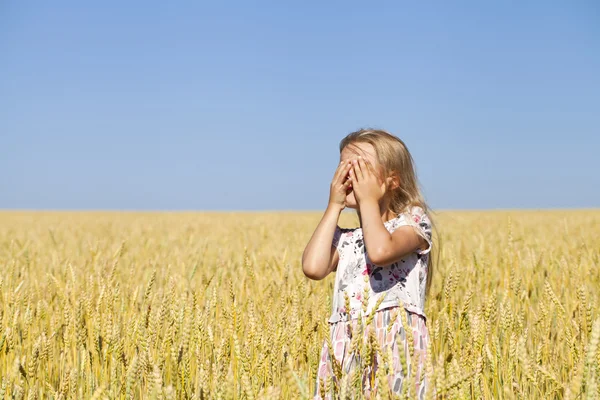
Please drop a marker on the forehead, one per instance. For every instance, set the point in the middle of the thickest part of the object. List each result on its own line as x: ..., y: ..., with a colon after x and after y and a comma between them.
x: 354, y: 150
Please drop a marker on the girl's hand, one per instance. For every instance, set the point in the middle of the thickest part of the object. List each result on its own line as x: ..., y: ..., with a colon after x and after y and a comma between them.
x: 365, y: 183
x: 339, y: 185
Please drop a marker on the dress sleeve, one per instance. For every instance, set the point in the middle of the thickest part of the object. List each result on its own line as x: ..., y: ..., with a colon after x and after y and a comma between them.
x: 337, y: 235
x: 419, y: 220
x: 337, y: 238
x: 424, y: 229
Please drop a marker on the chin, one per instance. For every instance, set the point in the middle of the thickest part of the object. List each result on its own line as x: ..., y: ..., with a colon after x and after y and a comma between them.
x: 351, y: 201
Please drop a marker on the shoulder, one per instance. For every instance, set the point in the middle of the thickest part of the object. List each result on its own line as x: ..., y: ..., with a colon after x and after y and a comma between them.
x: 411, y: 216
x: 414, y: 216
x: 416, y: 211
x: 419, y: 216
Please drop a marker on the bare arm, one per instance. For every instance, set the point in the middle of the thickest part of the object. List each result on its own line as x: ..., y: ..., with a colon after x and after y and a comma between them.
x: 320, y: 257
x: 385, y: 248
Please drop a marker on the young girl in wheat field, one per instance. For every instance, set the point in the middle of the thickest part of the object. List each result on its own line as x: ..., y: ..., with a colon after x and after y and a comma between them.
x: 382, y: 269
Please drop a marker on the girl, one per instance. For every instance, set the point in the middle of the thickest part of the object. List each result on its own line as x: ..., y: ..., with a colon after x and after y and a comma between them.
x: 382, y: 267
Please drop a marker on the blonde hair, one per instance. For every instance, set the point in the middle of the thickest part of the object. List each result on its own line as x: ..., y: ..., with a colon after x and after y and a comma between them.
x: 394, y: 158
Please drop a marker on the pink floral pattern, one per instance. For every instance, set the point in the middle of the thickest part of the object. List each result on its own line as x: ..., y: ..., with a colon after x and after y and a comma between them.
x: 401, y: 283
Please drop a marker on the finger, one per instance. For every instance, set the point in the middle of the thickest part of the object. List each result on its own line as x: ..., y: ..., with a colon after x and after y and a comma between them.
x: 339, y: 171
x: 352, y: 174
x: 346, y: 186
x: 344, y: 172
x: 357, y: 171
x: 345, y: 181
x: 364, y: 168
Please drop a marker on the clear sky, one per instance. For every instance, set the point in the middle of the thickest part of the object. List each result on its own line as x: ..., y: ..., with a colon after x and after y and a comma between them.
x: 241, y: 105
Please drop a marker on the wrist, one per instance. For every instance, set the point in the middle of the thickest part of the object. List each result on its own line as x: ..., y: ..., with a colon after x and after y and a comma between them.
x: 368, y: 203
x: 335, y: 207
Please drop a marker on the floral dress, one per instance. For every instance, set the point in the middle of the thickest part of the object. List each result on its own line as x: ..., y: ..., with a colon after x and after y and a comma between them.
x: 385, y: 291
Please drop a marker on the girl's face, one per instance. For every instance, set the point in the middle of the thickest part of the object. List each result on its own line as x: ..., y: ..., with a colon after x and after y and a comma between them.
x: 351, y: 152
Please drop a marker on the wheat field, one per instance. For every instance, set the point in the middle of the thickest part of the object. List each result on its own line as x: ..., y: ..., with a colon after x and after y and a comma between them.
x: 215, y: 305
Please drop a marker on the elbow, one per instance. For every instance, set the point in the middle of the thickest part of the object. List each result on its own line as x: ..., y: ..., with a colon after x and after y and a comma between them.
x: 312, y: 273
x: 379, y: 257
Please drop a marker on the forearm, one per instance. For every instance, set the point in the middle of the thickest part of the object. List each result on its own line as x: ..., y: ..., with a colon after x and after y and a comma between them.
x: 377, y: 238
x: 317, y: 254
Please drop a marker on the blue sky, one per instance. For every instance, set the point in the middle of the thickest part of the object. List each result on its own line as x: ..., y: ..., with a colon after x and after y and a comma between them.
x: 241, y: 105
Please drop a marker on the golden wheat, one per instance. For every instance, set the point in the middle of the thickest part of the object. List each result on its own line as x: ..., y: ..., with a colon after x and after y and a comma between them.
x: 214, y: 305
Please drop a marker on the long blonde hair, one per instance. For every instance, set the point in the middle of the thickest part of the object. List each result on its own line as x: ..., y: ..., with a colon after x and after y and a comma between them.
x: 393, y: 156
